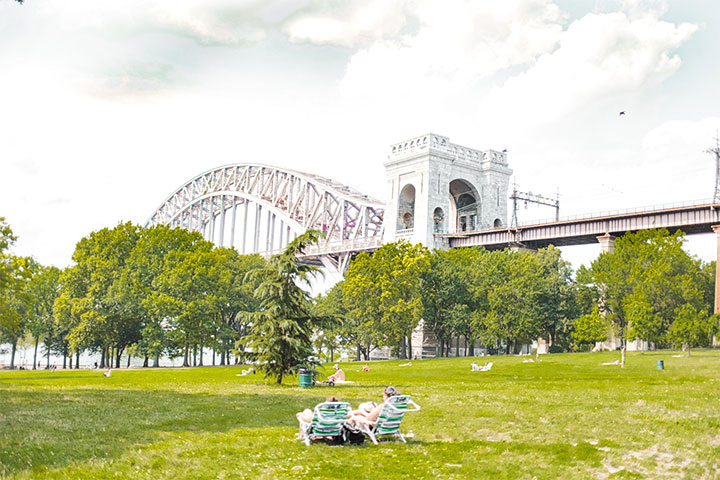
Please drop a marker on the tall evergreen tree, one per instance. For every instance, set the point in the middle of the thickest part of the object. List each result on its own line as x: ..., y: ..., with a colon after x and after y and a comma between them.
x: 281, y: 335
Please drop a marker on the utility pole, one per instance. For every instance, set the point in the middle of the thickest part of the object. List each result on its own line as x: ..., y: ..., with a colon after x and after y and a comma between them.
x: 716, y: 151
x: 529, y: 197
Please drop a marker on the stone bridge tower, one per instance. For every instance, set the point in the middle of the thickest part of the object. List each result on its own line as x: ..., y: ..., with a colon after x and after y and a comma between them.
x: 437, y: 187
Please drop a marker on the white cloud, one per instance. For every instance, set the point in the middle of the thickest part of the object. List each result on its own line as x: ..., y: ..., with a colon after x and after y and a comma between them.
x: 415, y: 46
x: 600, y: 56
x: 207, y: 21
x: 349, y: 24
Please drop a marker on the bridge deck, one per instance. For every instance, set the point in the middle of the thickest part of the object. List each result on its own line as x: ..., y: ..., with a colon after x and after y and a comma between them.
x: 581, y: 231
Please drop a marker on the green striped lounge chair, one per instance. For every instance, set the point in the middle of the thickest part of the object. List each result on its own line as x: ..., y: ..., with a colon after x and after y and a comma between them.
x: 328, y: 420
x: 390, y: 418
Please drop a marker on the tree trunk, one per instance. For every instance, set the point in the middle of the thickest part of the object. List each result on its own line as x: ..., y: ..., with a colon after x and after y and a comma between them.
x: 12, y: 355
x: 457, y: 347
x: 146, y: 362
x: 688, y: 349
x: 358, y: 353
x: 64, y: 359
x: 129, y: 357
x: 332, y: 355
x: 156, y: 361
x: 48, y: 356
x: 279, y: 380
x: 200, y: 363
x: 471, y: 347
x: 186, y: 356
x: 77, y: 360
x: 213, y: 350
x: 102, y: 358
x: 70, y: 357
x: 37, y: 341
x: 409, y: 344
x: 118, y: 354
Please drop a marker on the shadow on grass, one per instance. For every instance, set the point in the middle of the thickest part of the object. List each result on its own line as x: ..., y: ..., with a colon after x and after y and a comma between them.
x: 57, y: 377
x: 53, y: 429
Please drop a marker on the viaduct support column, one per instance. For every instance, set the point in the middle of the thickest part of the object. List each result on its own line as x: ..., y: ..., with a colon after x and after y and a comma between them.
x: 716, y: 229
x: 607, y: 243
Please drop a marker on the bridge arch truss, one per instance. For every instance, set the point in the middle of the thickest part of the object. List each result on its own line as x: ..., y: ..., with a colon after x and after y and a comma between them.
x: 260, y: 208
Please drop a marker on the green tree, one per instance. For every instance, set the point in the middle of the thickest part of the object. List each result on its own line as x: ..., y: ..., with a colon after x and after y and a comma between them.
x: 384, y: 291
x: 43, y: 288
x: 339, y: 330
x: 557, y: 296
x: 447, y: 298
x: 692, y: 328
x: 98, y: 304
x: 185, y: 297
x: 588, y: 329
x: 156, y: 252
x: 16, y: 301
x: 645, y: 280
x: 280, y: 340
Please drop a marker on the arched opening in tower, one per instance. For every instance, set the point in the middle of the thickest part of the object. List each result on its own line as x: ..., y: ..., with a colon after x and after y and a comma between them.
x: 439, y: 221
x: 406, y: 208
x: 466, y: 206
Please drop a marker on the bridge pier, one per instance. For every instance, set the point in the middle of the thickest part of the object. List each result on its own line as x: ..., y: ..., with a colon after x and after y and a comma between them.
x: 519, y: 247
x: 716, y: 310
x: 607, y: 243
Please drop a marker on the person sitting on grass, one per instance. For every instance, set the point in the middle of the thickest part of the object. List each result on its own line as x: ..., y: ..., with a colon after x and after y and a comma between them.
x: 475, y: 367
x: 248, y: 371
x: 366, y: 368
x: 368, y: 412
x: 338, y: 376
x: 307, y: 414
x: 108, y: 373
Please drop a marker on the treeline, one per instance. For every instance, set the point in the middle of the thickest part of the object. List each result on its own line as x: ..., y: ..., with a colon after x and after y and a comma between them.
x: 648, y: 289
x: 142, y: 292
x: 159, y: 292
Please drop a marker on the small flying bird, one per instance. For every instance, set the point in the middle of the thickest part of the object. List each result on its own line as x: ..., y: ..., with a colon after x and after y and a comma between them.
x: 621, y: 113
x: 505, y: 151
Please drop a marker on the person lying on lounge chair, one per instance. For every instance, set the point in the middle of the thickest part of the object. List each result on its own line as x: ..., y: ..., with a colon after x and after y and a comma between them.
x: 307, y: 414
x: 369, y: 411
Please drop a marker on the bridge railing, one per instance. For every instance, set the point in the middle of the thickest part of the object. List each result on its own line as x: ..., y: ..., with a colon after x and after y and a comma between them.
x: 665, y: 206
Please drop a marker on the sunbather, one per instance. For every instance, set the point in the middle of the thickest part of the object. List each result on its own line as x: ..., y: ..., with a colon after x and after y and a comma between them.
x: 307, y: 414
x: 369, y: 411
x: 338, y: 376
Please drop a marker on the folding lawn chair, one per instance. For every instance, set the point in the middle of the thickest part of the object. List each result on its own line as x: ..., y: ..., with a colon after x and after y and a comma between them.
x: 390, y: 418
x: 328, y: 420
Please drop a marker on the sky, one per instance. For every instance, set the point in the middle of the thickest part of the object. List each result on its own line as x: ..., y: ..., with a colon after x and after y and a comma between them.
x: 108, y: 107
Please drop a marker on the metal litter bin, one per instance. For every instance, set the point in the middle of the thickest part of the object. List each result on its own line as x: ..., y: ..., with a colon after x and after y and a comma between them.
x: 305, y: 378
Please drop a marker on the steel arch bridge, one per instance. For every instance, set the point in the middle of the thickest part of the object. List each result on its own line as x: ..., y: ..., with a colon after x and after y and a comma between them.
x: 276, y: 205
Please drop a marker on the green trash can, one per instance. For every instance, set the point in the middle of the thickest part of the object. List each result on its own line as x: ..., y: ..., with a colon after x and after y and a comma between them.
x: 305, y: 378
x: 660, y: 365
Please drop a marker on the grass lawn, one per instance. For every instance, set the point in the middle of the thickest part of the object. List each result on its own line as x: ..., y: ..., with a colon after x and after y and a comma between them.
x: 564, y: 417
